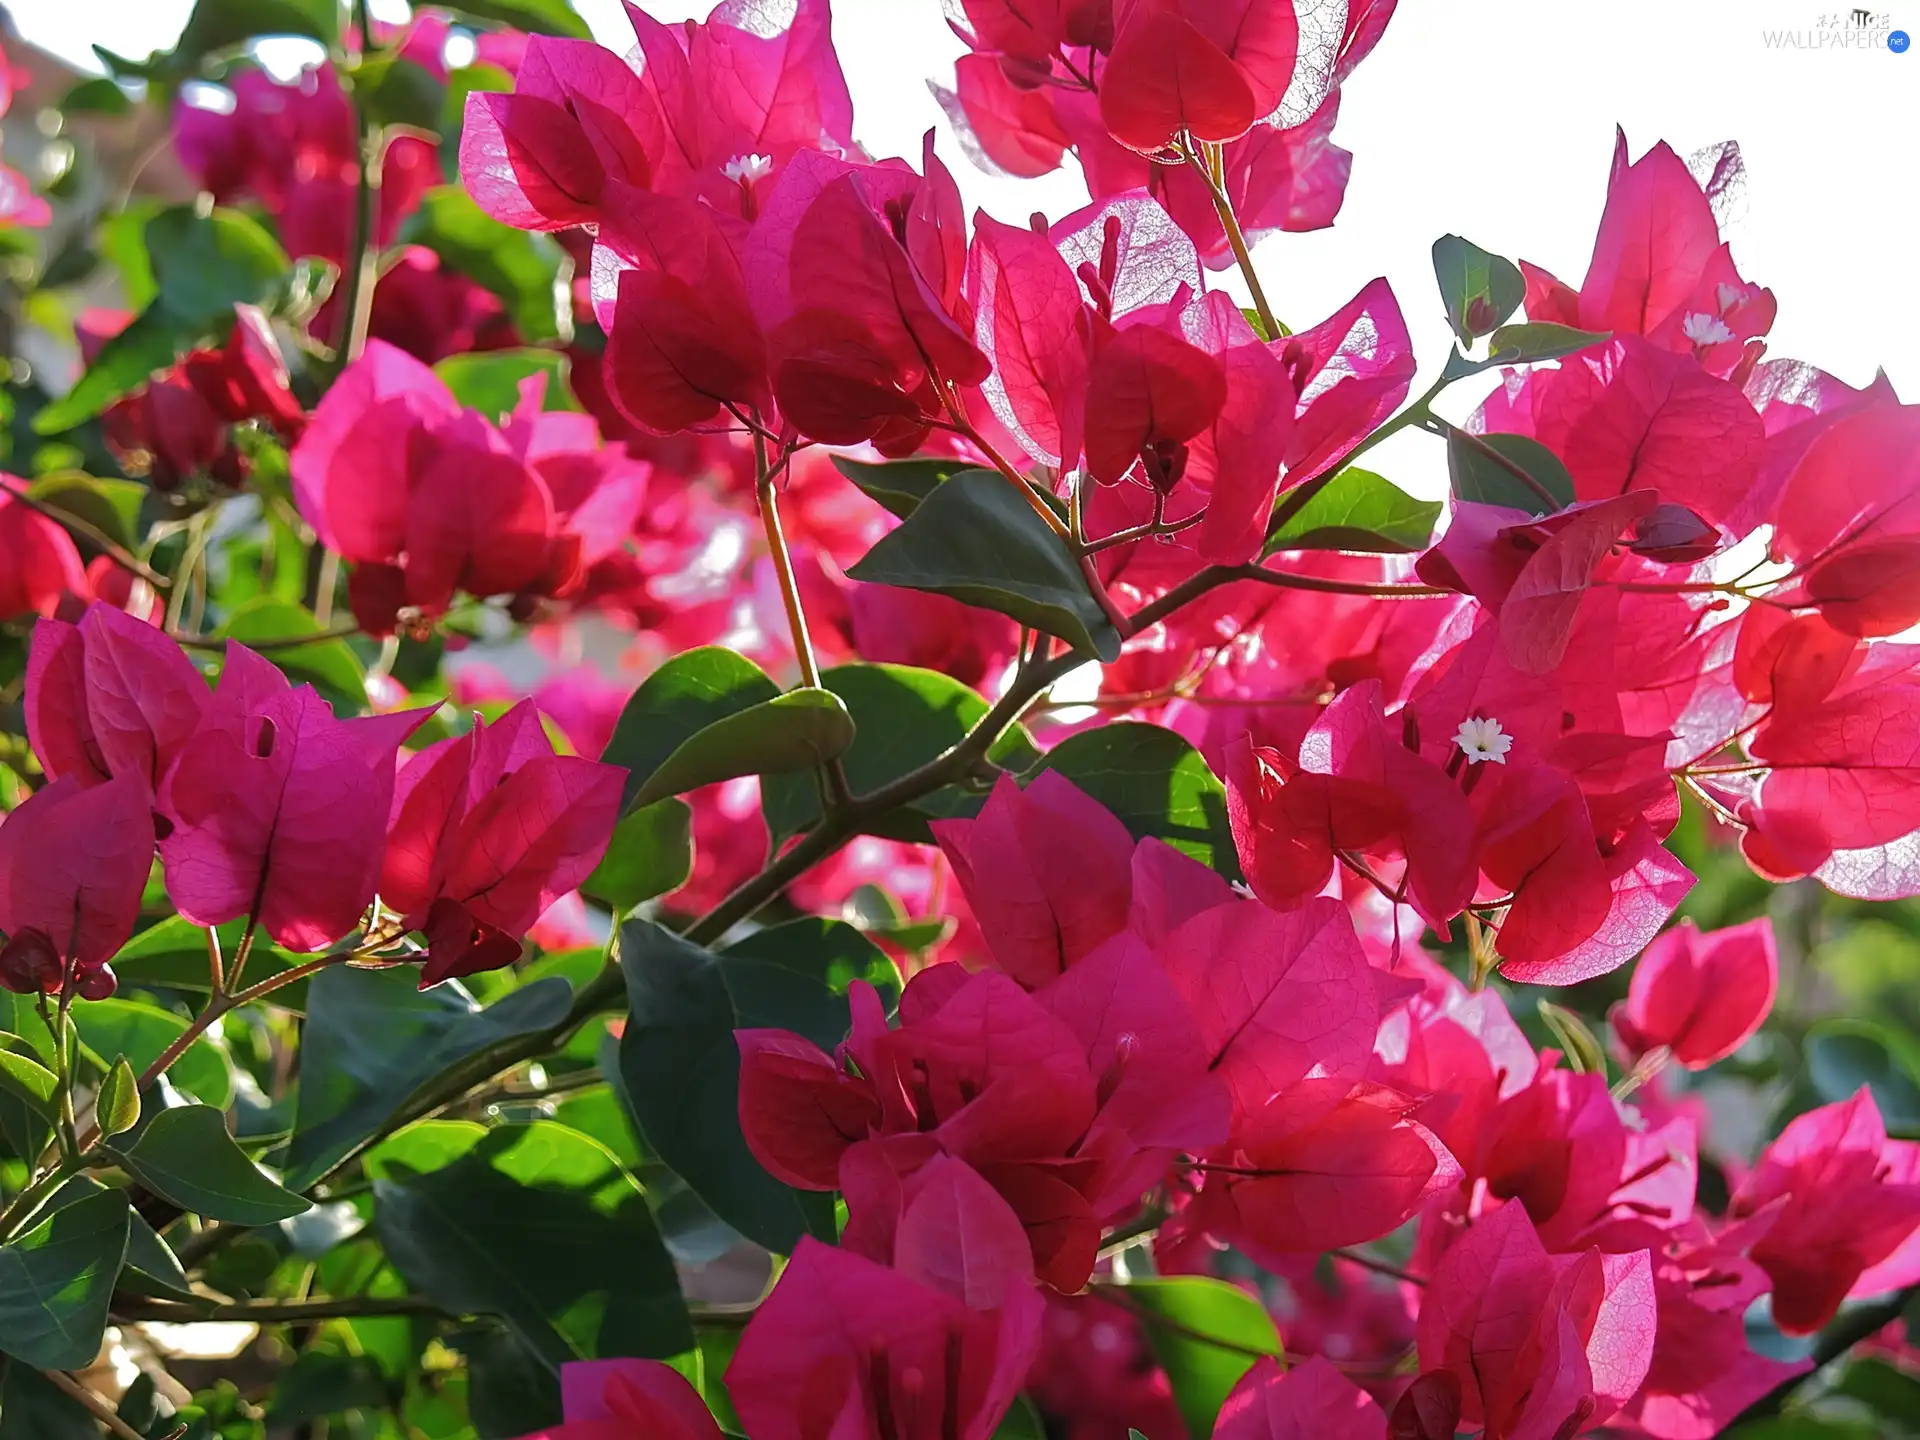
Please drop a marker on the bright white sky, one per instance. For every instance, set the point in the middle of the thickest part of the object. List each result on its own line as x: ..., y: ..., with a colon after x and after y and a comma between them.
x: 1490, y: 118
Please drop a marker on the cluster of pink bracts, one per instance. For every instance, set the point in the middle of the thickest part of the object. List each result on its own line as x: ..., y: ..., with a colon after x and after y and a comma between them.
x: 1493, y: 734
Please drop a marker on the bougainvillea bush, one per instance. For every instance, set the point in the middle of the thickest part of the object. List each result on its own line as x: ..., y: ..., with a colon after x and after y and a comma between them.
x: 658, y: 787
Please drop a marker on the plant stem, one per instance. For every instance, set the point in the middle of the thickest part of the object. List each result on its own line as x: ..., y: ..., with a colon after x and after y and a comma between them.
x: 1209, y: 167
x: 1379, y: 1267
x: 1842, y: 1335
x: 1295, y: 500
x: 966, y: 427
x: 362, y: 267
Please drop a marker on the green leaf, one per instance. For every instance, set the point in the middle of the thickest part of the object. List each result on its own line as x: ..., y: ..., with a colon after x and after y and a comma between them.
x: 651, y: 853
x: 544, y: 17
x: 96, y: 96
x: 489, y: 380
x: 187, y: 1156
x: 1022, y: 1422
x: 122, y: 365
x: 32, y: 1082
x: 1158, y: 785
x: 172, y: 955
x: 23, y: 1127
x: 1844, y: 1054
x: 330, y: 665
x: 111, y: 506
x: 692, y: 691
x: 31, y: 1409
x: 1540, y: 340
x: 207, y: 264
x: 539, y: 1225
x: 142, y: 1032
x: 55, y: 1282
x: 827, y: 952
x: 797, y: 731
x: 1207, y: 1334
x: 977, y: 539
x: 681, y: 1071
x: 395, y: 91
x: 1479, y: 476
x: 901, y: 485
x: 509, y: 1390
x: 523, y: 268
x: 903, y: 717
x: 202, y: 265
x: 322, y: 1382
x: 116, y: 1107
x: 223, y: 24
x: 1480, y: 289
x: 147, y: 1254
x: 1358, y: 510
x: 373, y: 1041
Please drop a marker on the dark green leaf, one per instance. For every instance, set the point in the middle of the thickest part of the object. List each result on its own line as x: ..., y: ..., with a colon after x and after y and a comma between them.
x: 797, y: 731
x: 1480, y: 290
x: 901, y: 485
x: 223, y: 24
x: 509, y: 1390
x: 543, y: 17
x: 1158, y: 785
x: 116, y: 1106
x: 1207, y: 1334
x: 23, y: 1128
x: 147, y: 1254
x: 31, y: 1409
x: 207, y: 264
x: 1022, y: 1423
x: 187, y: 1156
x: 1844, y: 1054
x: 202, y: 266
x: 977, y: 539
x: 55, y: 1282
x: 374, y: 1040
x: 681, y: 1069
x: 172, y: 955
x: 142, y: 1032
x: 522, y: 268
x: 28, y: 1079
x: 330, y: 665
x: 122, y: 365
x: 1359, y: 510
x: 1540, y: 340
x: 691, y: 691
x: 903, y: 717
x: 828, y: 952
x: 489, y: 380
x: 323, y: 1382
x: 651, y: 853
x: 1481, y: 477
x: 541, y: 1226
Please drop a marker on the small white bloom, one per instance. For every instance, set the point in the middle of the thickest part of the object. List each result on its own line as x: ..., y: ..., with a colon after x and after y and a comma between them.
x: 1483, y: 739
x: 1704, y: 329
x: 748, y: 168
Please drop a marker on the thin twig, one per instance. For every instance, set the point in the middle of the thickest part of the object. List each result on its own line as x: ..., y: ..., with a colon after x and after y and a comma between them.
x: 1209, y: 168
x: 263, y: 647
x: 1379, y: 1267
x: 115, y: 551
x: 93, y: 1404
x: 1847, y: 1331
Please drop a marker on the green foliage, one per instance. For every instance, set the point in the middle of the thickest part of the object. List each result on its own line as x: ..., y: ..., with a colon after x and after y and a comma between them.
x: 1358, y: 510
x: 900, y: 485
x: 1540, y: 340
x: 1478, y: 475
x: 1479, y: 289
x: 55, y: 1282
x: 599, y: 1283
x: 1207, y: 1334
x: 373, y: 1041
x: 976, y: 538
x: 1158, y: 785
x: 491, y: 381
x: 186, y: 1156
x: 650, y: 854
x: 527, y: 271
x: 681, y: 1070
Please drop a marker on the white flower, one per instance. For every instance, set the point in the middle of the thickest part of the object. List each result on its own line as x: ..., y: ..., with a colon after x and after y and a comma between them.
x: 1704, y: 329
x: 1483, y: 739
x: 748, y: 168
